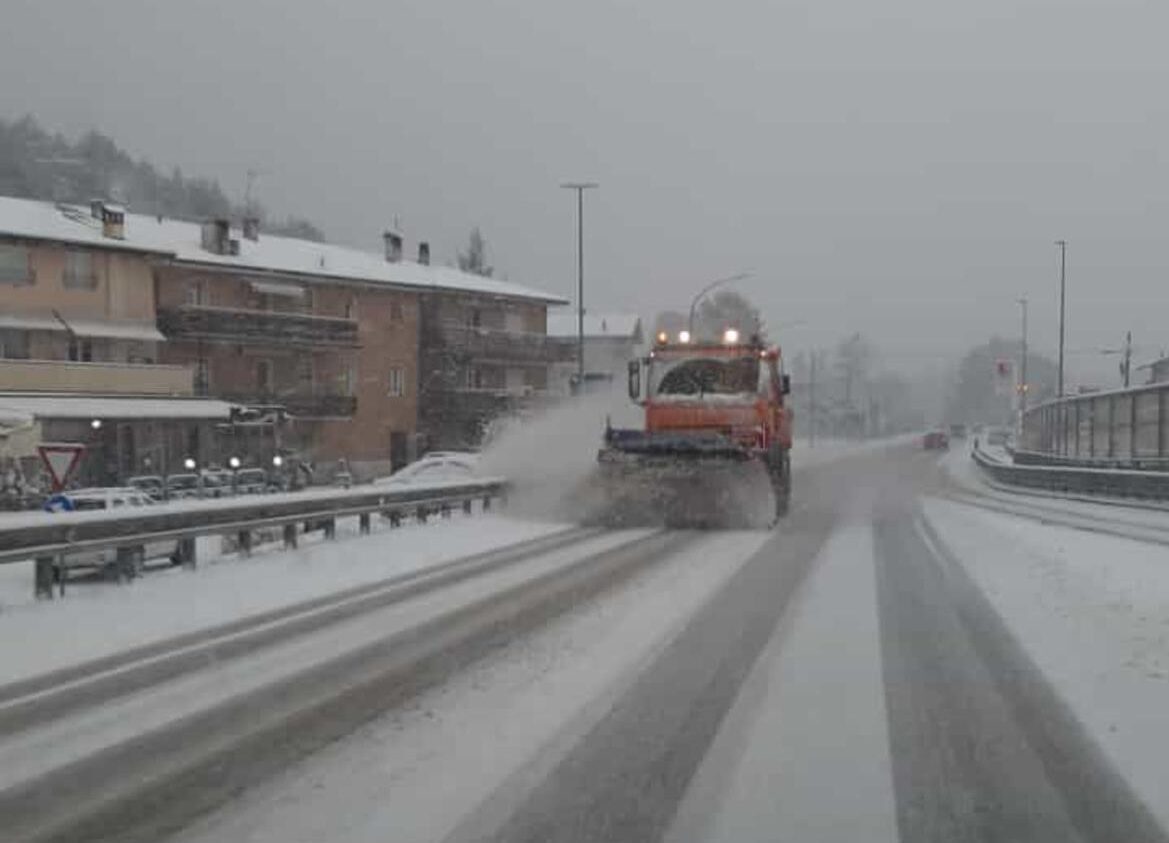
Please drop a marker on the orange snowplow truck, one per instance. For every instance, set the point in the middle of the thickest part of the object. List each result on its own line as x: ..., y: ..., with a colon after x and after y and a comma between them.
x: 715, y: 416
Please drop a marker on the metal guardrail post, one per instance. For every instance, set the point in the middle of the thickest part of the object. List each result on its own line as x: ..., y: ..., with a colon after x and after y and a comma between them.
x: 467, y: 506
x: 186, y: 553
x: 290, y: 535
x: 244, y: 540
x: 363, y: 524
x: 46, y: 574
x: 330, y: 529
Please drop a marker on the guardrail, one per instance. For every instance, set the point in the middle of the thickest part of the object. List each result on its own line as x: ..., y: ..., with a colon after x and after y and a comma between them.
x: 1100, y: 482
x: 51, y: 540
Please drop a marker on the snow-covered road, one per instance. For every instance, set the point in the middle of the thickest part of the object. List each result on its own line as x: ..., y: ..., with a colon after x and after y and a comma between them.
x: 910, y: 655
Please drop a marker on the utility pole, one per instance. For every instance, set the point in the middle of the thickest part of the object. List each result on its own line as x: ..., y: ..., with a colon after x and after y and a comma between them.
x: 1063, y: 254
x: 1126, y: 367
x: 812, y: 402
x: 580, y: 187
x: 1023, y: 362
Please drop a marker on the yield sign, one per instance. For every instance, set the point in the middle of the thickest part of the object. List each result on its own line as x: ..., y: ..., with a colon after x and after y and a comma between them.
x: 60, y: 458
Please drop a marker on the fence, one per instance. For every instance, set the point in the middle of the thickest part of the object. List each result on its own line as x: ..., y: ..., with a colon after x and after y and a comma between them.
x: 1125, y: 428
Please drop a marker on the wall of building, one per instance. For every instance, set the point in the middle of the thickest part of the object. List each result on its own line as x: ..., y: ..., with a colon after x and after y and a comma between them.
x: 123, y: 287
x: 388, y: 335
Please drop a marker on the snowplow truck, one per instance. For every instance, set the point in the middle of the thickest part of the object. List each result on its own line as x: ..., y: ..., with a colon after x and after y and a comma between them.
x: 715, y: 448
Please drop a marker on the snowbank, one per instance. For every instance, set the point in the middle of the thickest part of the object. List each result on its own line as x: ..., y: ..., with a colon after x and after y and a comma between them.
x: 1092, y: 611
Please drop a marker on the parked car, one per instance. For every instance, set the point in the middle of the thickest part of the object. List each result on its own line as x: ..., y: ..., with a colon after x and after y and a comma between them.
x: 216, y: 482
x: 251, y: 481
x: 182, y: 486
x: 435, y: 467
x: 957, y: 431
x: 151, y: 484
x: 110, y: 498
x: 936, y: 440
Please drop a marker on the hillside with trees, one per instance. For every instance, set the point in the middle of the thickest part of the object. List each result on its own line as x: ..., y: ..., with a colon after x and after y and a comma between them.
x: 38, y: 164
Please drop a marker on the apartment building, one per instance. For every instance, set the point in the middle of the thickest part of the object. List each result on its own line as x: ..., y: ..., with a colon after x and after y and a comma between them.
x: 611, y: 340
x: 288, y: 346
x: 80, y: 353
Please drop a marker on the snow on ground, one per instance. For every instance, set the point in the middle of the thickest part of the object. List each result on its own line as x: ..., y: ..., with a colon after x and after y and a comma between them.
x: 95, y: 620
x: 802, y: 719
x: 1093, y: 612
x: 805, y: 453
x: 415, y: 774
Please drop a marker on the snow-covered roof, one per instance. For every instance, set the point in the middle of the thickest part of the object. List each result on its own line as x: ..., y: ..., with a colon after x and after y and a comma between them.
x: 269, y: 254
x: 111, y: 329
x: 615, y: 325
x: 87, y: 407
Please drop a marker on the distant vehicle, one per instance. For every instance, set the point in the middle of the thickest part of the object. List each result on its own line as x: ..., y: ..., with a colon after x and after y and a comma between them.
x: 436, y: 467
x: 182, y: 486
x: 957, y: 431
x: 151, y: 484
x: 111, y: 498
x: 998, y: 436
x: 251, y: 481
x: 936, y: 440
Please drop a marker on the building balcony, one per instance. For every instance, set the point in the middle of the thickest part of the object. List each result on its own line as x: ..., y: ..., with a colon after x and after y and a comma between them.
x: 263, y: 327
x: 303, y: 405
x: 95, y: 378
x: 492, y: 344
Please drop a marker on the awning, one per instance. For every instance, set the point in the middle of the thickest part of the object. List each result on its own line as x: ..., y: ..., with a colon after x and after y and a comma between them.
x: 141, y: 331
x: 273, y: 288
x: 43, y: 407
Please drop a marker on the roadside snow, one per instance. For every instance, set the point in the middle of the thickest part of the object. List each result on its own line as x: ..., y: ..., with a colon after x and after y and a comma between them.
x: 1093, y: 613
x: 417, y: 773
x: 94, y: 621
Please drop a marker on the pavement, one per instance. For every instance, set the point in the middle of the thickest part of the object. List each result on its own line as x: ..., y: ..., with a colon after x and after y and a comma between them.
x: 842, y: 677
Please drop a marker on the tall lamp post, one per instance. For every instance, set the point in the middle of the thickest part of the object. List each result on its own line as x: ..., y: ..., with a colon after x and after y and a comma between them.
x: 1063, y: 254
x: 701, y: 293
x: 1023, y: 361
x: 580, y: 187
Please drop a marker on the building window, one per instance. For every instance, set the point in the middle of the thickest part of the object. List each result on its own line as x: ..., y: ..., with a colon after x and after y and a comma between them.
x: 14, y: 345
x: 264, y: 376
x: 15, y: 265
x: 80, y: 273
x: 474, y: 378
x: 197, y: 293
x: 351, y: 308
x: 397, y: 382
x: 81, y: 350
x: 202, y: 377
x: 348, y: 381
x: 304, y: 371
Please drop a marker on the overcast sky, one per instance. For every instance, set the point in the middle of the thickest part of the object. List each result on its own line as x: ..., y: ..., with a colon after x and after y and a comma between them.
x: 896, y: 167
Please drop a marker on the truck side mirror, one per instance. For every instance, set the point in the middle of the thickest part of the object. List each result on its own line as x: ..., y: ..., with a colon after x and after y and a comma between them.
x: 785, y: 384
x: 634, y: 380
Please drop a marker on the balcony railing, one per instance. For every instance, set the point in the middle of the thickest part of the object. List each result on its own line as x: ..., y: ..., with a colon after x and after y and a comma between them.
x: 265, y: 327
x: 305, y: 405
x: 95, y: 378
x: 499, y: 345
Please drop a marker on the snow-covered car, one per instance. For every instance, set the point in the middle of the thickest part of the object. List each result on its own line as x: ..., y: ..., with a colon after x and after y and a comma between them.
x: 150, y: 484
x: 435, y: 467
x: 182, y: 486
x: 111, y: 498
x: 251, y: 481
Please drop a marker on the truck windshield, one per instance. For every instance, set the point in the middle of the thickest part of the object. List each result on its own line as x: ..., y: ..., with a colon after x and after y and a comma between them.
x: 706, y: 376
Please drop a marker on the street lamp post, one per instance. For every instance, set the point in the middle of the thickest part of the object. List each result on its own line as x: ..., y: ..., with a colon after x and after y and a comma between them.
x: 701, y: 293
x: 1023, y: 361
x: 580, y: 187
x: 1063, y: 254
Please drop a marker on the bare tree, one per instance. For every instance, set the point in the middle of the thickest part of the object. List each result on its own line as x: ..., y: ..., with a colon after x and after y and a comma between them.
x: 474, y: 259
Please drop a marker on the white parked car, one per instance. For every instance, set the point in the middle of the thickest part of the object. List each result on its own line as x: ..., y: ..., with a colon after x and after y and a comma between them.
x: 435, y: 467
x: 126, y: 499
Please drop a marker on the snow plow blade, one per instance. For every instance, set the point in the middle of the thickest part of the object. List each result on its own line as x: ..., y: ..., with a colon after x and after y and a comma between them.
x: 680, y: 480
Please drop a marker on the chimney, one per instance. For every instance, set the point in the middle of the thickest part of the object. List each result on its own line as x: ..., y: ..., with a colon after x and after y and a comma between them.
x: 393, y: 246
x: 216, y: 235
x: 251, y: 228
x: 96, y: 206
x: 424, y: 253
x: 113, y: 222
